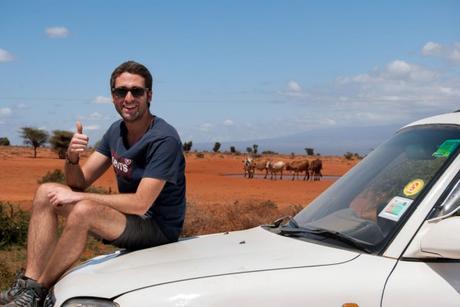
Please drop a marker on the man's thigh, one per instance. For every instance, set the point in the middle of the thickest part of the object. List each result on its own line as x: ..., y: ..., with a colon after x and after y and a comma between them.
x: 103, y: 221
x: 140, y: 232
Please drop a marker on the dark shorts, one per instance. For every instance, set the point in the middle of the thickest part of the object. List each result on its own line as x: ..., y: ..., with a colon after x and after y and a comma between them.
x: 140, y: 232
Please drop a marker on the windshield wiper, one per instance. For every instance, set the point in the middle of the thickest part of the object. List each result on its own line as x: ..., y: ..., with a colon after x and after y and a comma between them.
x: 336, y: 235
x: 290, y: 222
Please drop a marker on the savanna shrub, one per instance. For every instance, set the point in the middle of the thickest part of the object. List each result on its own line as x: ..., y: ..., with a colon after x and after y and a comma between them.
x: 212, y: 218
x: 58, y: 176
x: 55, y: 176
x: 14, y: 223
x: 4, y: 141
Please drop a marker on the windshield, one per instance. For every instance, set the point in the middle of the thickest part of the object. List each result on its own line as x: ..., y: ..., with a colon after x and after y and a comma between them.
x: 372, y: 200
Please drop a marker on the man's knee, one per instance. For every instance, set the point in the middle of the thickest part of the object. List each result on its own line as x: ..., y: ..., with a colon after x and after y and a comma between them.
x: 41, y: 198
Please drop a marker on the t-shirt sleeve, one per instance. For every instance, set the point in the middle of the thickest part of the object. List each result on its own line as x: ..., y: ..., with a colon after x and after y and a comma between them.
x: 104, y: 147
x: 164, y: 160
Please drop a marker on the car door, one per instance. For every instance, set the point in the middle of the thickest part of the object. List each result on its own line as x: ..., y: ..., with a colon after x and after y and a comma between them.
x: 430, y: 278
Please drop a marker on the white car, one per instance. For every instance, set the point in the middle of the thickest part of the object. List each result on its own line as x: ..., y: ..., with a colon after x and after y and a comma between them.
x: 385, y: 234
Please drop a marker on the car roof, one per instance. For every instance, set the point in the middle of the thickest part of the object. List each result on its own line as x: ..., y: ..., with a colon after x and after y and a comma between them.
x: 448, y: 118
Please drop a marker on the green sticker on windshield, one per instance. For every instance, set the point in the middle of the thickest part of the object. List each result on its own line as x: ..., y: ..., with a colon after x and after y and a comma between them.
x: 446, y: 148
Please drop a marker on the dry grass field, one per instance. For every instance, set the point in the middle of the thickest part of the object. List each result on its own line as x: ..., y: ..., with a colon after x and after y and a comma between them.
x: 219, y: 198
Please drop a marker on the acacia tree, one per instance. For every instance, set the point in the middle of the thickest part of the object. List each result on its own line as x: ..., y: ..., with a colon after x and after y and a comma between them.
x: 34, y: 137
x: 216, y: 147
x: 309, y: 151
x: 60, y: 141
x: 187, y: 146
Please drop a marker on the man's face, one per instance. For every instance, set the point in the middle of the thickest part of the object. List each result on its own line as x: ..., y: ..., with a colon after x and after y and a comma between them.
x: 132, y: 105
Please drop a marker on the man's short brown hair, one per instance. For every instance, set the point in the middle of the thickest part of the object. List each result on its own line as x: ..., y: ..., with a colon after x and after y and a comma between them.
x: 132, y: 68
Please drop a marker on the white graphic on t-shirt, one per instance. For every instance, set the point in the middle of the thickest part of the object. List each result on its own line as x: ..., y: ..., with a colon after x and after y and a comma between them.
x: 121, y: 165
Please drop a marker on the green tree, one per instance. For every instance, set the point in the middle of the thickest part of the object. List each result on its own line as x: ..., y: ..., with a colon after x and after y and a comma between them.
x: 249, y: 150
x: 60, y: 141
x: 34, y: 137
x: 216, y: 147
x: 254, y: 148
x: 4, y: 141
x: 232, y: 149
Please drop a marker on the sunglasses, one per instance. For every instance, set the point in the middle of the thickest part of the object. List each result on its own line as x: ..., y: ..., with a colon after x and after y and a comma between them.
x: 121, y: 92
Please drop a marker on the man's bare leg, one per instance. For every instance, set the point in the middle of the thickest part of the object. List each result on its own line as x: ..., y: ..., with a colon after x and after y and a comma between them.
x: 42, y: 234
x: 85, y: 216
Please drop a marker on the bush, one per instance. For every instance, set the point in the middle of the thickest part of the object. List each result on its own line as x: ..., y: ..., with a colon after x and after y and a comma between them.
x: 213, y: 218
x: 200, y: 155
x: 13, y: 225
x: 58, y: 176
x: 4, y: 142
x: 55, y: 176
x: 348, y: 155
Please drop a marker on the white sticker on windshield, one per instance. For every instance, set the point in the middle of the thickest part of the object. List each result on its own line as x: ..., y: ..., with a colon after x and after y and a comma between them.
x: 395, y: 208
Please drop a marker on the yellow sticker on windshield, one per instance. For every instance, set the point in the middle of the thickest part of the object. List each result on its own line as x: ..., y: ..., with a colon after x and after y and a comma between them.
x: 413, y: 187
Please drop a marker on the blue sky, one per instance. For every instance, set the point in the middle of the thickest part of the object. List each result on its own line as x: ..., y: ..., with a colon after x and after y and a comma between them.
x: 231, y: 70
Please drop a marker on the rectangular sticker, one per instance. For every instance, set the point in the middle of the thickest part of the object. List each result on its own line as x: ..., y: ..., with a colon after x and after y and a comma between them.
x: 395, y: 208
x: 446, y: 148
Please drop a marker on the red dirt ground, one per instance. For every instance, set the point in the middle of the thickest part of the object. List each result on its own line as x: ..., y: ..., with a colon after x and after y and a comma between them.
x: 208, y: 180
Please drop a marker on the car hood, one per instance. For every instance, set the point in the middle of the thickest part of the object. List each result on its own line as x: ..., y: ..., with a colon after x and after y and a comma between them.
x: 251, y: 250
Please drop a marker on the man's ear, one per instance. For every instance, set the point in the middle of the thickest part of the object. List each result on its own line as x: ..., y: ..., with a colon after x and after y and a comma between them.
x: 149, y: 97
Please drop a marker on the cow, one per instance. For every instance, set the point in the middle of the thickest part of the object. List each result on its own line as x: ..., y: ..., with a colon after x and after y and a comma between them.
x: 316, y: 166
x: 297, y: 167
x: 248, y: 167
x: 261, y: 165
x: 276, y: 167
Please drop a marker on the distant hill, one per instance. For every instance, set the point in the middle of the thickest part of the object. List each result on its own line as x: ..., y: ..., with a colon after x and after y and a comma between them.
x: 326, y: 141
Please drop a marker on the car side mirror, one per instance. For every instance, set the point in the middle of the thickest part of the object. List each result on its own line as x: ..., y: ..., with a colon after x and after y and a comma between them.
x: 442, y: 239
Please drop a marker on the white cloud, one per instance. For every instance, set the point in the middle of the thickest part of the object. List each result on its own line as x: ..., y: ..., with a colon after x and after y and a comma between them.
x: 21, y: 106
x: 5, y: 56
x: 228, y: 122
x: 57, y: 32
x: 95, y: 116
x: 293, y: 89
x: 397, y: 92
x: 431, y: 48
x: 205, y: 127
x: 450, y: 52
x: 91, y: 127
x: 5, y: 112
x: 103, y: 99
x: 293, y: 86
x: 455, y: 53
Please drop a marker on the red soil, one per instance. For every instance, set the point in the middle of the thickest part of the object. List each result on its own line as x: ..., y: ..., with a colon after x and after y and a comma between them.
x: 208, y: 180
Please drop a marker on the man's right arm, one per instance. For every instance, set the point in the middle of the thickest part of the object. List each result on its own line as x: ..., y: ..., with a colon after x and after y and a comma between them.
x: 82, y: 177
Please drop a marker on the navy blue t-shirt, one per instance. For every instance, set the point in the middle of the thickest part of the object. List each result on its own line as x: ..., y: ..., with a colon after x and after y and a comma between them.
x: 158, y: 154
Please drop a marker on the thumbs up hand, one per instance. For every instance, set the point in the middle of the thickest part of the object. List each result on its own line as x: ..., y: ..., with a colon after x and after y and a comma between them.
x: 78, y: 144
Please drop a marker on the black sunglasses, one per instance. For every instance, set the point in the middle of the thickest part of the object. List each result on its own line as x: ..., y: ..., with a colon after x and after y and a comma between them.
x: 121, y: 92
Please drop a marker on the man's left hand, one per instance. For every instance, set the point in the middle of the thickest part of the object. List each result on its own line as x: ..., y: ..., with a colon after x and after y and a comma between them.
x: 62, y: 196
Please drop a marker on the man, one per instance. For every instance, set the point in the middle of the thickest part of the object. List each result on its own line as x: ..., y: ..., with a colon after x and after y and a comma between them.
x: 146, y: 154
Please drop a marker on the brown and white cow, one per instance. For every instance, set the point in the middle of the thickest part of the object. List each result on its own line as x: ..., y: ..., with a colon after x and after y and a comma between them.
x: 276, y: 167
x: 261, y: 165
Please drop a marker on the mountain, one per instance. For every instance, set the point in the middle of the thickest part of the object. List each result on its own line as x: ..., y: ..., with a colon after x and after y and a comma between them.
x: 326, y: 141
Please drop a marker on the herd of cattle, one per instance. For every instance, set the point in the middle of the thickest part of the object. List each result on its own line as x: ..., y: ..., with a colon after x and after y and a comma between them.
x: 312, y: 169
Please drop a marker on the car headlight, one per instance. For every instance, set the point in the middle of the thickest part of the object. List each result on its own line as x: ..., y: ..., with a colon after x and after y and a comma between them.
x: 89, y: 302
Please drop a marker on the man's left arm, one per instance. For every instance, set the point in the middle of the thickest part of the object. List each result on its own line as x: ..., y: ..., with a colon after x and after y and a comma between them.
x: 129, y: 203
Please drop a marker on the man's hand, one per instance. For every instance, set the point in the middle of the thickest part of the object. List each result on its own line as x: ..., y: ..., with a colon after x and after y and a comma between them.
x: 78, y: 144
x: 62, y: 196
